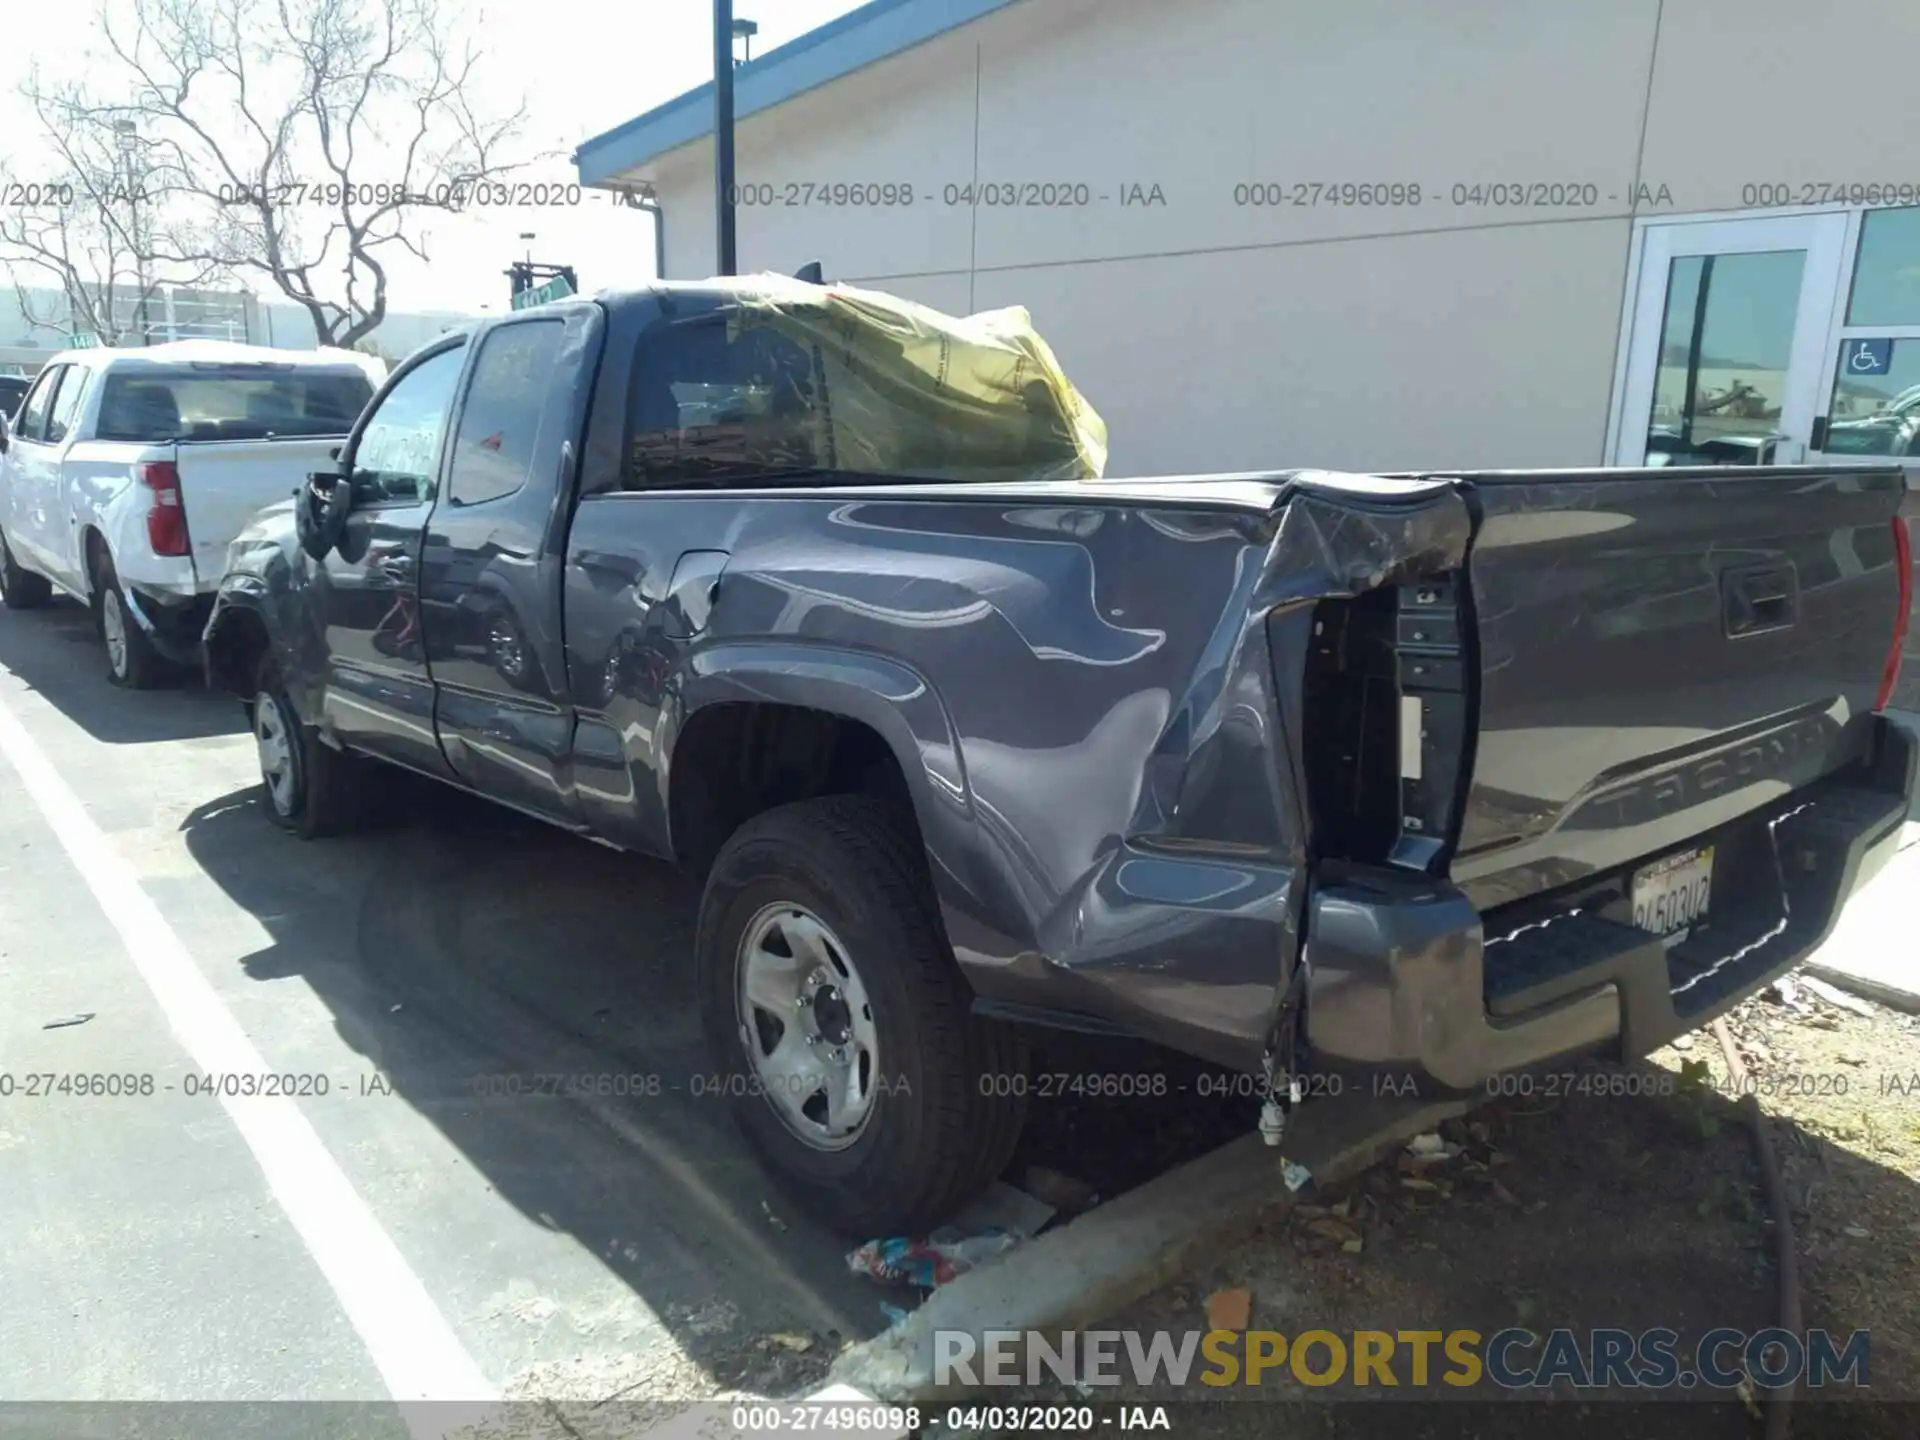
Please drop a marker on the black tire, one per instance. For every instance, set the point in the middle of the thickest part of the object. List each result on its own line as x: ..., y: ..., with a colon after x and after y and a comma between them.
x: 133, y: 664
x: 321, y: 791
x: 21, y: 589
x: 936, y: 1134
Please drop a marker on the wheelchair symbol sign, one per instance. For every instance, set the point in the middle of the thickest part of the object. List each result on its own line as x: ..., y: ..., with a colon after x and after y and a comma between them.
x: 1867, y: 357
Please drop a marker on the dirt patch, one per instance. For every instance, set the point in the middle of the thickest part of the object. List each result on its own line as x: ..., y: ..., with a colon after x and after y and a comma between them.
x: 1612, y: 1198
x: 1841, y: 1091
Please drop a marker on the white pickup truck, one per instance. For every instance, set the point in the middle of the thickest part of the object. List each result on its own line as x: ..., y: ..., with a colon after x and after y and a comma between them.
x: 126, y: 473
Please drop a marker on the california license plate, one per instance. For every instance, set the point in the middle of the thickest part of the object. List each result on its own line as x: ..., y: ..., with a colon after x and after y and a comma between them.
x: 1670, y: 895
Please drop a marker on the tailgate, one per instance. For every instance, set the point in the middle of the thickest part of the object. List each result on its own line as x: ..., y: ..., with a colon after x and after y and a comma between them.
x: 224, y: 484
x: 1659, y: 652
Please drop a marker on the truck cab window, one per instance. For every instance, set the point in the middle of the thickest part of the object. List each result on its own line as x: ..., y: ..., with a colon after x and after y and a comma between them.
x: 33, y: 410
x: 715, y: 403
x: 793, y: 392
x: 499, y: 436
x: 211, y: 402
x: 66, y: 404
x: 399, y: 448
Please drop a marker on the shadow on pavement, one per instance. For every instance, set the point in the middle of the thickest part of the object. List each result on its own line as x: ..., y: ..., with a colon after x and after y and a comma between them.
x: 471, y: 954
x: 474, y: 957
x: 57, y: 651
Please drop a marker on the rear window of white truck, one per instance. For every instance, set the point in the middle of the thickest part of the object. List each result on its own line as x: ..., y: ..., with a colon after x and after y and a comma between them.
x: 230, y: 402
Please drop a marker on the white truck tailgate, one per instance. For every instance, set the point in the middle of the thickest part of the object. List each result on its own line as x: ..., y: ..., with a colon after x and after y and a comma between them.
x: 224, y: 483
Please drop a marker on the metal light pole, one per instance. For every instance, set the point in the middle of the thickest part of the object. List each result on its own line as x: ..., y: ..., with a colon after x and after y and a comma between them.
x: 129, y: 137
x: 724, y: 252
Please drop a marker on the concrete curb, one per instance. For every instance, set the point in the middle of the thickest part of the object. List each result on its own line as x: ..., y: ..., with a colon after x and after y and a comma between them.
x: 1106, y: 1259
x: 1867, y: 988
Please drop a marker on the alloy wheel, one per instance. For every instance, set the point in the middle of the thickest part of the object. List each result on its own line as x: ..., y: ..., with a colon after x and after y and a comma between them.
x: 273, y: 739
x: 113, y: 629
x: 807, y: 1026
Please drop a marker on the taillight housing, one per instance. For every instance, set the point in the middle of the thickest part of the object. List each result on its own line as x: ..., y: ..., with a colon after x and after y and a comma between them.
x: 166, y: 516
x: 1903, y: 562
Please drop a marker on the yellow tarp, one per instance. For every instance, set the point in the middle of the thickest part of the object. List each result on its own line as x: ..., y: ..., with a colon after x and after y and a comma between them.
x: 911, y: 391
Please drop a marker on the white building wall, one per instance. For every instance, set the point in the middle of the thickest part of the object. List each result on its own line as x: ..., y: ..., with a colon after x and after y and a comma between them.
x: 1218, y: 335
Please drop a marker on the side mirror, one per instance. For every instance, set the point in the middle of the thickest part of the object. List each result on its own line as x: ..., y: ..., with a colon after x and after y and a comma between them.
x: 320, y: 509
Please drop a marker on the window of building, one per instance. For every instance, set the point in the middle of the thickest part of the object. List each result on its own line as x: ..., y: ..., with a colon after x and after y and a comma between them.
x: 1725, y: 347
x: 499, y: 439
x: 1886, y: 276
x: 1875, y: 405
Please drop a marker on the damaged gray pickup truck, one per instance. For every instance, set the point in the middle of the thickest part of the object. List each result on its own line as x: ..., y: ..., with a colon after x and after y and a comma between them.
x: 1425, y: 777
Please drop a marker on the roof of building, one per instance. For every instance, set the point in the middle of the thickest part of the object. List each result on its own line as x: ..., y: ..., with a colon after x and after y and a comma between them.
x: 856, y: 40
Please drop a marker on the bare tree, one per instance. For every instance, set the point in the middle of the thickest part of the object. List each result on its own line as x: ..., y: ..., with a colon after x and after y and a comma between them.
x: 96, y: 219
x: 308, y: 138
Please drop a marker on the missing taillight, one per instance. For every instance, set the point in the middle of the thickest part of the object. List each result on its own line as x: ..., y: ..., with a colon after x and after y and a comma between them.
x: 166, y: 515
x: 1903, y: 564
x: 1386, y: 735
x: 1350, y: 745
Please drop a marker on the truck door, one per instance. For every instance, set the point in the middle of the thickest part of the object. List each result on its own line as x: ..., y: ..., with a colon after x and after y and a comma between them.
x: 379, y: 695
x: 54, y: 481
x: 491, y: 567
x: 32, y: 475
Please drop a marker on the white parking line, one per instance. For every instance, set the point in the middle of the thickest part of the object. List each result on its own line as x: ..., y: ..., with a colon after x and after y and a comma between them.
x: 407, y: 1337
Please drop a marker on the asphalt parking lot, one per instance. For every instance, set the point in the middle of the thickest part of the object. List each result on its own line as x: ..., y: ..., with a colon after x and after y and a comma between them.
x: 441, y: 1220
x: 498, y: 1170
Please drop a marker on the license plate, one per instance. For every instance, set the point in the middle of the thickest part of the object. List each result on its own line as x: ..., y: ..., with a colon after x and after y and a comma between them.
x: 1670, y: 895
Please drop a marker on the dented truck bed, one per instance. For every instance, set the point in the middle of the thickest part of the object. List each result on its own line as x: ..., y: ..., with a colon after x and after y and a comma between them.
x: 1430, y: 776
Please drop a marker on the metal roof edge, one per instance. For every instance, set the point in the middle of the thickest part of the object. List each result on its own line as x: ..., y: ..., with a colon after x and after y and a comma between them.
x: 860, y: 38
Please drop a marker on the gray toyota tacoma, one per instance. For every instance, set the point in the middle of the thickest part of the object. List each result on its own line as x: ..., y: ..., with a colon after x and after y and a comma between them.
x: 1427, y: 777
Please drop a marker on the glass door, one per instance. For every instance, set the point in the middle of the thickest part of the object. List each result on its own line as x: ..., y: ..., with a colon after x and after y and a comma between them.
x: 1727, y: 338
x: 1870, y: 388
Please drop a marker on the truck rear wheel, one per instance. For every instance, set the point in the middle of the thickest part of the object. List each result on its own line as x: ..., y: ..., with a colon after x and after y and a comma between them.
x: 132, y: 661
x: 20, y: 589
x: 307, y: 786
x: 841, y: 1025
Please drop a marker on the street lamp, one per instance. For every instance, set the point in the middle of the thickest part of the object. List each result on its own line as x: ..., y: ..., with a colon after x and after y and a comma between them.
x: 129, y: 136
x: 744, y: 31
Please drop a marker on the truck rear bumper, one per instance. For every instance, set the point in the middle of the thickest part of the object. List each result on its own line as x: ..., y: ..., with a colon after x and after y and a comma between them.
x: 1410, y: 986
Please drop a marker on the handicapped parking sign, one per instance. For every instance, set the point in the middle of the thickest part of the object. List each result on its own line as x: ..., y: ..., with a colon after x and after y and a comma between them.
x: 1866, y: 357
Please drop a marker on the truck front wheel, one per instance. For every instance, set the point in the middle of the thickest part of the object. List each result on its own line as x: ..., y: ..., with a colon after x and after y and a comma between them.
x: 307, y: 786
x: 20, y: 589
x: 841, y: 1024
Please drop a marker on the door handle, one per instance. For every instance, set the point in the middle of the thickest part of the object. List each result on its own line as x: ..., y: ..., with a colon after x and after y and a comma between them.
x: 397, y: 567
x: 1758, y: 598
